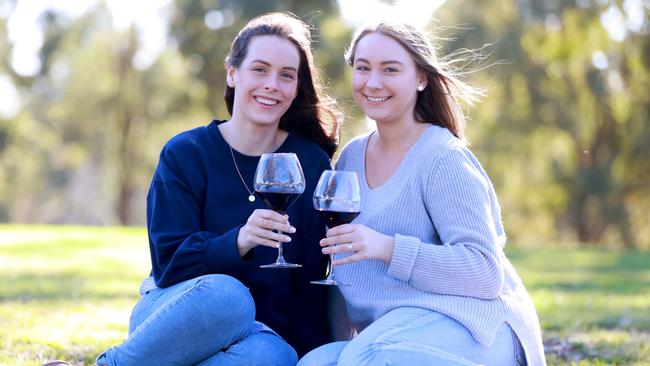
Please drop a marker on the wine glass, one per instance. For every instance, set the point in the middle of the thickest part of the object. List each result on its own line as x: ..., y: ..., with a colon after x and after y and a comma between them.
x: 279, y: 181
x: 338, y: 199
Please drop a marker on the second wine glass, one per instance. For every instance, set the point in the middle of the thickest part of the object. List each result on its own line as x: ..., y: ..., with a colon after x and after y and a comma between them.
x: 279, y: 181
x: 337, y: 198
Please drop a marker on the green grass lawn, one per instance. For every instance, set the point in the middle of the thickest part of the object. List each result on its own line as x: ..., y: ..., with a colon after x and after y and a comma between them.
x: 66, y: 292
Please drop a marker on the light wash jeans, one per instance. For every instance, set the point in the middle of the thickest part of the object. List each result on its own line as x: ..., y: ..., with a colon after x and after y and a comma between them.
x: 204, y: 321
x: 416, y: 336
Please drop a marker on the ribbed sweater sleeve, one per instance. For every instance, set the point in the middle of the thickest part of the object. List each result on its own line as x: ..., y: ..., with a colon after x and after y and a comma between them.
x: 457, y: 199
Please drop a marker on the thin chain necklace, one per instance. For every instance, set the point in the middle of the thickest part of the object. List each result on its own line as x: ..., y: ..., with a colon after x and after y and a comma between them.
x: 251, y: 196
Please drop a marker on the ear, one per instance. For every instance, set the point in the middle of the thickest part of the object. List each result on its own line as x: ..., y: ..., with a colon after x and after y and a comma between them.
x: 422, y: 81
x: 230, y: 76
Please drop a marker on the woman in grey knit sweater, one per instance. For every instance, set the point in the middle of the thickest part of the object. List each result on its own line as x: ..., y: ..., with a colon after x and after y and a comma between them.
x: 429, y: 283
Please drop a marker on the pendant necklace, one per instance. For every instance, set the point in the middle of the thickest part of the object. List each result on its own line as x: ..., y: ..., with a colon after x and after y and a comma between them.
x: 251, y: 196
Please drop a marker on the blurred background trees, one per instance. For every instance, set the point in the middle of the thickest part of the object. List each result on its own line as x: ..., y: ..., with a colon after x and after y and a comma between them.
x: 564, y: 129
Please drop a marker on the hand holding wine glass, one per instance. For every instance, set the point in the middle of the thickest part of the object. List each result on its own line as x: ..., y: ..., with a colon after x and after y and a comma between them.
x: 279, y: 181
x: 338, y: 199
x: 263, y: 227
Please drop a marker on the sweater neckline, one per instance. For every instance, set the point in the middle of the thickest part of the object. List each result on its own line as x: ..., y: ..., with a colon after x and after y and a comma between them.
x: 402, y: 165
x: 243, y: 159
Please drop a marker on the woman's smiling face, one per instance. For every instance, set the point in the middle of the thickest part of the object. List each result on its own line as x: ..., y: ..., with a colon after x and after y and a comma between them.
x: 266, y: 82
x: 384, y: 78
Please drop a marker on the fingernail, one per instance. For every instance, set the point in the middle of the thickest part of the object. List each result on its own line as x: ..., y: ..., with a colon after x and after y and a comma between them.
x: 287, y: 238
x: 292, y: 229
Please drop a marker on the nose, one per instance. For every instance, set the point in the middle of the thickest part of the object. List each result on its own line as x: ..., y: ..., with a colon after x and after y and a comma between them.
x: 374, y: 81
x: 271, y: 82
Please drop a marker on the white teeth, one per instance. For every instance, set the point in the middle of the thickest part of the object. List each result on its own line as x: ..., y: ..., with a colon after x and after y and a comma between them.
x: 266, y: 101
x: 373, y: 99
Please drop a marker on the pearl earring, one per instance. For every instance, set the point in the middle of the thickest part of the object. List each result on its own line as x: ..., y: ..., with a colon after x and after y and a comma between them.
x: 420, y: 87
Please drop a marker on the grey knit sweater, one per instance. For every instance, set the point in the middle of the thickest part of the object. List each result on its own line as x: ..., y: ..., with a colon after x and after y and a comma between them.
x: 442, y: 211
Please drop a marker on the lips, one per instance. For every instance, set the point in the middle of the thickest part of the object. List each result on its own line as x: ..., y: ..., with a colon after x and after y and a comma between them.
x: 266, y: 101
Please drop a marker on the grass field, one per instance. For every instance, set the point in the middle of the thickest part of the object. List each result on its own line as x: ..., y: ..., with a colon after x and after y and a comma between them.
x: 66, y: 292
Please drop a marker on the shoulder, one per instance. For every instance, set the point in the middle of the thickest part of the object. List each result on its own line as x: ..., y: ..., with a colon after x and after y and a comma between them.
x: 354, y: 150
x: 193, y: 139
x: 187, y: 151
x: 357, y: 143
x: 190, y: 145
x: 452, y: 159
x: 437, y: 141
x: 438, y: 146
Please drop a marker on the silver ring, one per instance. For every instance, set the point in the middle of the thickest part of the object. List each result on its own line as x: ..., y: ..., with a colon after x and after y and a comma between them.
x: 350, y: 248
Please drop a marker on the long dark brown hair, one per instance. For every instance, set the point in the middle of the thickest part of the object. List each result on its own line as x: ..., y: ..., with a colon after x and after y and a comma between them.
x: 312, y: 114
x: 438, y: 102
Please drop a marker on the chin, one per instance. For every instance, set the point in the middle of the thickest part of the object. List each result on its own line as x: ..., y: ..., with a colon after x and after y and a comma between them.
x: 377, y: 117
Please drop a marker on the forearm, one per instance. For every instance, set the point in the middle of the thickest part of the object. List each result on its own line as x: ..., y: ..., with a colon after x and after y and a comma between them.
x: 459, y: 269
x: 197, y: 254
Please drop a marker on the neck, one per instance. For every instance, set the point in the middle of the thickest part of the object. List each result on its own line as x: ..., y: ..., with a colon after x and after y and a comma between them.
x: 399, y: 136
x: 251, y: 139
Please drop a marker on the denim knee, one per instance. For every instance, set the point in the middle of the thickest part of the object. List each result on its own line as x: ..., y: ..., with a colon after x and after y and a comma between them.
x: 278, y: 353
x: 228, y: 293
x: 325, y: 355
x: 353, y: 354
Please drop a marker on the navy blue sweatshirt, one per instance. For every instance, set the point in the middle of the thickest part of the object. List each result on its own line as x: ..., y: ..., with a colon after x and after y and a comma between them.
x: 195, y: 207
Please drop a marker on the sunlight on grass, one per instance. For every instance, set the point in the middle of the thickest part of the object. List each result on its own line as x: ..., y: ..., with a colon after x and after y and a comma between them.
x: 593, y: 304
x: 67, y: 292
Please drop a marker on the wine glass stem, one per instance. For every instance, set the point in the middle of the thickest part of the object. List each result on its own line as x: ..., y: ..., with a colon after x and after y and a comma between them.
x: 330, y: 276
x: 280, y: 256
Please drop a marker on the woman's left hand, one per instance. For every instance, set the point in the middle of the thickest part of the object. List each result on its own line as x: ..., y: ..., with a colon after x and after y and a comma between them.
x: 363, y: 242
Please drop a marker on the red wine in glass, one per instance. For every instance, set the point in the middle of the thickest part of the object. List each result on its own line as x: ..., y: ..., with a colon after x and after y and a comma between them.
x: 336, y: 218
x: 278, y: 202
x: 337, y: 198
x: 279, y: 181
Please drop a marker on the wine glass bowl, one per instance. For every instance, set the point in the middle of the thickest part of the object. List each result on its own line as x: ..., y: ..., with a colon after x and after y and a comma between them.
x: 337, y: 198
x: 279, y: 181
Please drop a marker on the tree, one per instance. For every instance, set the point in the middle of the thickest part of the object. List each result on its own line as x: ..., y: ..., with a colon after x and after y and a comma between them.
x: 85, y: 144
x: 566, y: 138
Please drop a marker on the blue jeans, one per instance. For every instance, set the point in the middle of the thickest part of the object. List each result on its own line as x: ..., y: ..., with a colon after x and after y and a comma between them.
x: 204, y: 321
x: 416, y: 336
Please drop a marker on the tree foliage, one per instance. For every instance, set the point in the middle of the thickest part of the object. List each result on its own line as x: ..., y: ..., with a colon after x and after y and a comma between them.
x: 563, y: 130
x: 566, y: 141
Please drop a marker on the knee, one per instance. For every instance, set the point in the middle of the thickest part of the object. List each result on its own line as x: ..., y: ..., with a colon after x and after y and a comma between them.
x: 283, y: 355
x: 225, y: 288
x: 222, y: 292
x: 326, y: 355
x: 267, y: 349
x: 355, y: 353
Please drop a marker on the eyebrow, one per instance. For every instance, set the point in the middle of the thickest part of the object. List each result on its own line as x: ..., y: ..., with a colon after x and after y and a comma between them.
x: 381, y: 63
x: 268, y: 64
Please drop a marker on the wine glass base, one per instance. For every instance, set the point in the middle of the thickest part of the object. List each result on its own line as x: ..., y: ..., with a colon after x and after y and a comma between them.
x: 329, y: 283
x: 281, y: 265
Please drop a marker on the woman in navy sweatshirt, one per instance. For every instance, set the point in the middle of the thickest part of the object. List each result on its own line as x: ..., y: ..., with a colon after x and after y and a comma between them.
x: 207, y: 302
